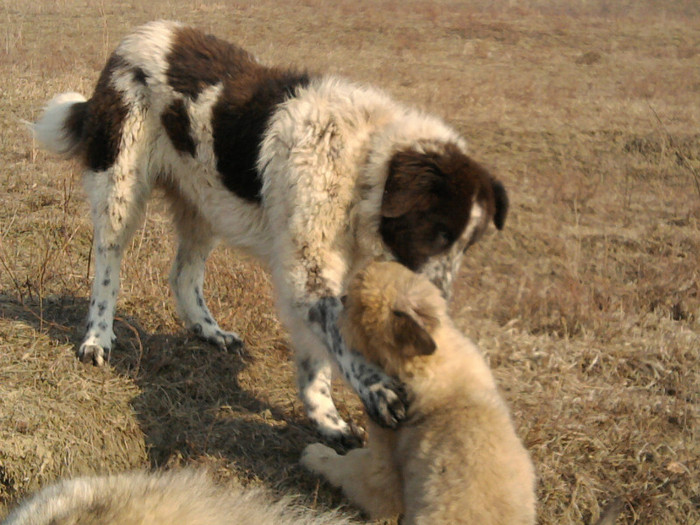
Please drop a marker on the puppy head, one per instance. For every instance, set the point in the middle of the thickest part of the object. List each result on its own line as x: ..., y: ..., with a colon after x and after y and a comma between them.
x: 391, y: 314
x: 436, y: 203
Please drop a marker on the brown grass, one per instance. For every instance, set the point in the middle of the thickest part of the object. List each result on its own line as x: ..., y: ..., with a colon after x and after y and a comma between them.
x: 587, y: 305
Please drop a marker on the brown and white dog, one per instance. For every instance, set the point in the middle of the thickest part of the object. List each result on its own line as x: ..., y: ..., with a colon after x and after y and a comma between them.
x: 456, y: 457
x: 314, y: 175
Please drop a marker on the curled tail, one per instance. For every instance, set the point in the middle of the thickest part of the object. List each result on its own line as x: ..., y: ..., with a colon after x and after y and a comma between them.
x: 60, y: 127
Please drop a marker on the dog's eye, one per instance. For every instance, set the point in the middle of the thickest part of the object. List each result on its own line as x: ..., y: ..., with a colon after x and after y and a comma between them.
x: 344, y: 300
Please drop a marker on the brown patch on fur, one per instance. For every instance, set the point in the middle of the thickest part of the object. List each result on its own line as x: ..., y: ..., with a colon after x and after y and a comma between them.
x: 500, y: 202
x: 102, y: 119
x: 250, y: 94
x: 428, y: 199
x: 239, y: 120
x: 140, y: 76
x: 73, y: 126
x: 176, y: 123
x: 197, y: 61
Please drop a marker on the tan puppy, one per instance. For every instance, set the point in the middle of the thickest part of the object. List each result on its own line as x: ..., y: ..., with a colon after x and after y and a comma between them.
x: 456, y: 458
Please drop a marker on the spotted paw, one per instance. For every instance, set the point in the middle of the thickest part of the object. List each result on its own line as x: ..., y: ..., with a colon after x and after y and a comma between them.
x: 229, y: 341
x: 93, y: 353
x: 386, y: 402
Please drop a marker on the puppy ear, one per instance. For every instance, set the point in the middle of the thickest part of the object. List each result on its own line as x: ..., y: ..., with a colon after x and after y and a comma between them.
x: 501, y: 203
x: 412, y: 338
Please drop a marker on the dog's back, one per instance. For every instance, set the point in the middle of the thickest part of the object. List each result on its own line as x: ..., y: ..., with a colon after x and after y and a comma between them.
x: 184, y: 498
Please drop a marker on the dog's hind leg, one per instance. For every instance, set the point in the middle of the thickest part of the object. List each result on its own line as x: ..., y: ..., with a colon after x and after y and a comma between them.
x: 117, y: 197
x: 195, y: 242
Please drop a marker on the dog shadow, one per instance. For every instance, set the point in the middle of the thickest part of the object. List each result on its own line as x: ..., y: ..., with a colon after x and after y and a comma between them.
x: 192, y: 407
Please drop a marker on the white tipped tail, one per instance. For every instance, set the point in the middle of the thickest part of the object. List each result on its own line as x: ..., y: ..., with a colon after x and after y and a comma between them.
x: 59, y: 128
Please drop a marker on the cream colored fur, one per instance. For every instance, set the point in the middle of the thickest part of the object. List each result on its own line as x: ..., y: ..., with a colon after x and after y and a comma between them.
x: 456, y: 458
x: 186, y: 497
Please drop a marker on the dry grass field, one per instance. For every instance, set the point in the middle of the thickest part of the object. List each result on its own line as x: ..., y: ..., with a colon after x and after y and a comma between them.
x: 587, y: 304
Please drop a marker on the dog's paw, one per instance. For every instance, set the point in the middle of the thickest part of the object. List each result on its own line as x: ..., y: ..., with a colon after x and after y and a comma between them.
x: 93, y: 353
x: 386, y: 402
x: 316, y: 456
x: 344, y: 439
x: 351, y: 437
x: 227, y: 341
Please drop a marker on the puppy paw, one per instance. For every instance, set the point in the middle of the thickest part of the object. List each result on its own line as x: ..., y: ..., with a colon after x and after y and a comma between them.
x: 316, y: 456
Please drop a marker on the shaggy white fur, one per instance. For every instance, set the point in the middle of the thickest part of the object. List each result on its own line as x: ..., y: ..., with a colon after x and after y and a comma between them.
x: 50, y: 130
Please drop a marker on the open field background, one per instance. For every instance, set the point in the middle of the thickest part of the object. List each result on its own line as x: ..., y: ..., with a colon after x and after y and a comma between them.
x: 587, y: 304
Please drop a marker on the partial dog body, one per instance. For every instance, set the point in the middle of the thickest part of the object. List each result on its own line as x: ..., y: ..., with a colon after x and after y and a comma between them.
x: 184, y: 498
x: 312, y: 174
x: 456, y: 457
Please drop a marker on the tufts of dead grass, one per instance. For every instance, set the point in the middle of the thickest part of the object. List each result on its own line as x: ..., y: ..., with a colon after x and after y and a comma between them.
x: 56, y: 418
x: 604, y: 420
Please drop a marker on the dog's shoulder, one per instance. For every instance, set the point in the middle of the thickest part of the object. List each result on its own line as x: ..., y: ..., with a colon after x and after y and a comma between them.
x: 329, y: 116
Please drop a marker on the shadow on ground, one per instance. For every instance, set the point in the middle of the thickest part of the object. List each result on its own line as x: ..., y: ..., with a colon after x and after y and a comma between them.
x: 195, y: 403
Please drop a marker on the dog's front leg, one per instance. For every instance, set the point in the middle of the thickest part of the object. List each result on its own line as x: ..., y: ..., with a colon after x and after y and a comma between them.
x: 383, y: 396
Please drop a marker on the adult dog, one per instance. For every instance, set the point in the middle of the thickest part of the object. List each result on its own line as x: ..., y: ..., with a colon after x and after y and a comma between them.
x: 456, y: 457
x: 312, y: 174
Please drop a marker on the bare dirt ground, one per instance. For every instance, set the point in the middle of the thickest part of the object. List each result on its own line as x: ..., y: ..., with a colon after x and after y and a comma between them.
x: 587, y: 304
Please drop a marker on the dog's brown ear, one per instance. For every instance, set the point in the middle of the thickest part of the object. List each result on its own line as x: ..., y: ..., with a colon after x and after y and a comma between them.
x: 409, y: 185
x: 399, y: 201
x: 412, y: 338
